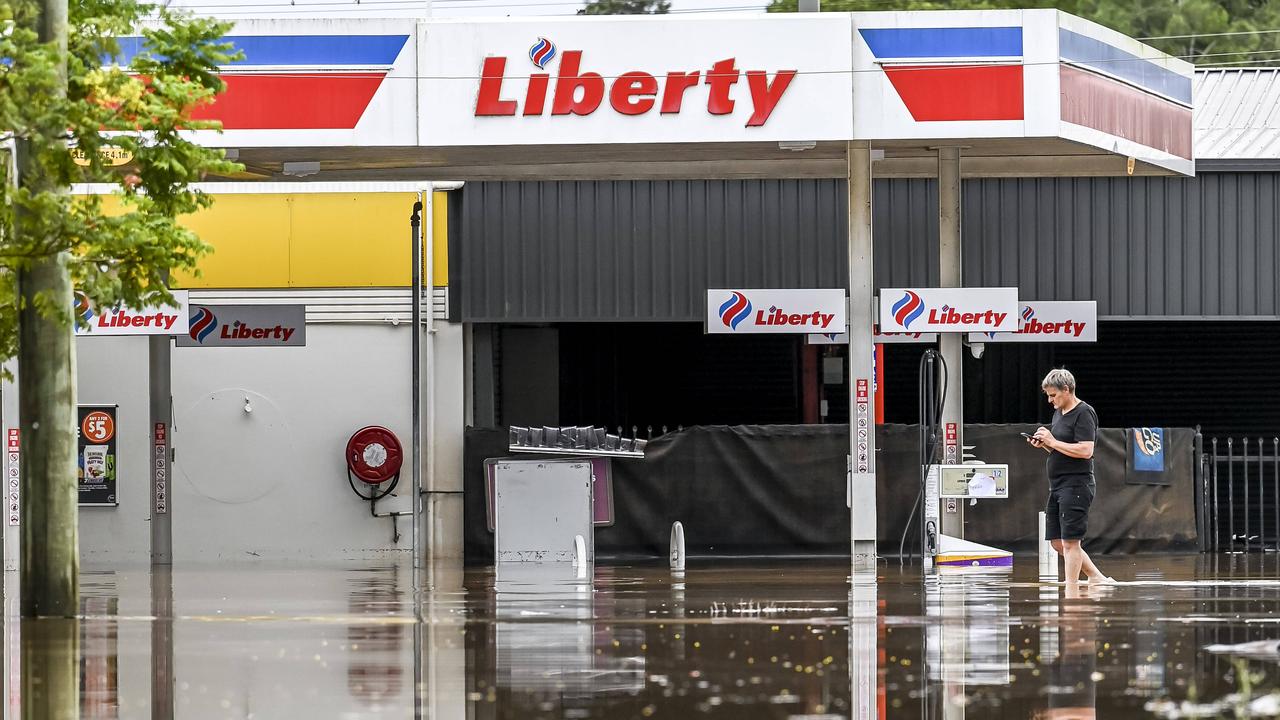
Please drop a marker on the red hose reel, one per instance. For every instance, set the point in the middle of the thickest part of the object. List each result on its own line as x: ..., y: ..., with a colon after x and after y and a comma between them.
x: 374, y: 456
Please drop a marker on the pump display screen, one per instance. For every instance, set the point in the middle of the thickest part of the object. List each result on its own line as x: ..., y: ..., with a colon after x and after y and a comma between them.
x: 974, y: 481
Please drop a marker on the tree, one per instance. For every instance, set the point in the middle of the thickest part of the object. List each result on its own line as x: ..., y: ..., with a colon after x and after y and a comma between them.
x: 1191, y: 29
x: 55, y: 95
x: 626, y: 7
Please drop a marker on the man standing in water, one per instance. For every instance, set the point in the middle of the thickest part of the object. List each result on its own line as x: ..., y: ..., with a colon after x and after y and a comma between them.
x: 1070, y: 441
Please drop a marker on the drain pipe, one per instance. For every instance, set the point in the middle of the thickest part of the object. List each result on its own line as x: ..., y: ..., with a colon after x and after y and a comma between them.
x: 427, y: 197
x: 415, y: 372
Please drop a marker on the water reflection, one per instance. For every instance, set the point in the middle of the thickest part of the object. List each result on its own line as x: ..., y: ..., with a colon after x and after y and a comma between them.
x: 50, y: 669
x: 99, y: 647
x: 1073, y: 674
x: 723, y: 640
x: 375, y: 670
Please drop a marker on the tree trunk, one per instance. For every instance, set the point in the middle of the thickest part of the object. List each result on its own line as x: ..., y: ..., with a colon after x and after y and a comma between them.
x: 51, y: 669
x: 47, y: 414
x: 47, y: 379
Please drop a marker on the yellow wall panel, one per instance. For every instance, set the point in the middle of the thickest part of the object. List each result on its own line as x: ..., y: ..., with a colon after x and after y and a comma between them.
x: 250, y: 239
x: 440, y: 206
x: 342, y: 240
x: 315, y: 240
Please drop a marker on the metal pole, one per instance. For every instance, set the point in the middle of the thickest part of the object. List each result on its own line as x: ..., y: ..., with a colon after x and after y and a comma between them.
x: 415, y: 404
x: 429, y: 224
x: 862, y: 430
x: 1244, y: 472
x: 1262, y: 500
x: 1202, y: 498
x: 951, y: 345
x: 159, y: 365
x: 1217, y: 521
x: 1231, y: 496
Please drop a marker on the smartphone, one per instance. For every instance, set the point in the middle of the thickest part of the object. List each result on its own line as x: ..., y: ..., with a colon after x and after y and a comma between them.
x: 1025, y: 435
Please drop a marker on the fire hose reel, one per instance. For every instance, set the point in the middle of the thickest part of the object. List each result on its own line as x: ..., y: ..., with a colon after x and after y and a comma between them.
x: 374, y: 456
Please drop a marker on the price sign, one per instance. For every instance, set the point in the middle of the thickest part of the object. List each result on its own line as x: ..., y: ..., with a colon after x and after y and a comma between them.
x: 96, y: 459
x: 98, y: 427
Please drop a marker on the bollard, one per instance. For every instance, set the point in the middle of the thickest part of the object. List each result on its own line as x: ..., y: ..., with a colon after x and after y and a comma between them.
x: 677, y: 546
x: 580, y: 556
x: 1048, y: 557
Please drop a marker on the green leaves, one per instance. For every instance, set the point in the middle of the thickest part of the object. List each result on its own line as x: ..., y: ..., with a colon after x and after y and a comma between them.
x: 626, y: 7
x: 121, y: 250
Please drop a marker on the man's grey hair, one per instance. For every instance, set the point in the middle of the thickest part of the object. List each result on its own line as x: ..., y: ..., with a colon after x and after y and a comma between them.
x: 1060, y: 379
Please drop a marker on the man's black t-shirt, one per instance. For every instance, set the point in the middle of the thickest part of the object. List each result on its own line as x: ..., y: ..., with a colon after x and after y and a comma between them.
x: 1079, y: 425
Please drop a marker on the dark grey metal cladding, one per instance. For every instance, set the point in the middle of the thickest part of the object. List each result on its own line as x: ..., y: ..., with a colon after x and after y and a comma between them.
x: 1142, y: 247
x: 641, y: 251
x: 647, y: 251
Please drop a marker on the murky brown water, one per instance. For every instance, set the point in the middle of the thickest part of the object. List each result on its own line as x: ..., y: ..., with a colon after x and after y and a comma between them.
x: 735, y: 639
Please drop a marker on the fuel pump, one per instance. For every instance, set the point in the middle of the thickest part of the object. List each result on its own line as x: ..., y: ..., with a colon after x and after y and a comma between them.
x: 951, y: 481
x: 932, y: 398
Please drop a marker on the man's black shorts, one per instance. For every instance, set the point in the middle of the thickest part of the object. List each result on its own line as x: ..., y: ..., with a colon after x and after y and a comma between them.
x: 1067, y: 512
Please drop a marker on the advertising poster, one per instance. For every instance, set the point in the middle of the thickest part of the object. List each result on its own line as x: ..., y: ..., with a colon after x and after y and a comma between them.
x: 97, y: 455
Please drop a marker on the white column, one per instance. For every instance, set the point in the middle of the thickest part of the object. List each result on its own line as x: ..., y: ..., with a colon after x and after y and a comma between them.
x: 951, y: 345
x: 862, y: 429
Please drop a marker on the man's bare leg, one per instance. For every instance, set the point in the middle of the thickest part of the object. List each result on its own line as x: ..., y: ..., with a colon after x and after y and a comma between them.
x: 1091, y: 571
x: 1077, y: 559
x: 1072, y: 560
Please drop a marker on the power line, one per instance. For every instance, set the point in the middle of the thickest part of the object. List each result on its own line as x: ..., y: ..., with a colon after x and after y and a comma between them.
x: 1205, y: 35
x: 897, y: 66
x: 1239, y: 63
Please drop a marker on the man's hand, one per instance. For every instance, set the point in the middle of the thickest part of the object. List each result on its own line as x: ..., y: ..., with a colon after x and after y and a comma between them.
x: 1043, y: 437
x: 1037, y: 440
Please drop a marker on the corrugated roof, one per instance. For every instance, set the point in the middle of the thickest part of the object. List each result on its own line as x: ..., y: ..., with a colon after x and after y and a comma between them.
x: 1237, y: 114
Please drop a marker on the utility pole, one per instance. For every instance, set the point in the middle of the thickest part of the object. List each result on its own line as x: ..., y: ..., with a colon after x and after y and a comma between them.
x: 47, y: 375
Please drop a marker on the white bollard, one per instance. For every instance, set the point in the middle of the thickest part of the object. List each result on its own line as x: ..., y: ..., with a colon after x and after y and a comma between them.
x: 1048, y: 557
x: 677, y: 546
x: 580, y: 556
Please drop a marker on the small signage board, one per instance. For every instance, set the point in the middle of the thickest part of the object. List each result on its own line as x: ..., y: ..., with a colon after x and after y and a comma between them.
x: 776, y: 311
x: 155, y: 320
x: 97, y: 455
x: 1049, y: 321
x: 949, y: 310
x: 973, y: 481
x: 245, y: 326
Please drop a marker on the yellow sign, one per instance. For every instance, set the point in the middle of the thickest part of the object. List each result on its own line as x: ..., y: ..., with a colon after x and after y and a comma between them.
x: 111, y: 156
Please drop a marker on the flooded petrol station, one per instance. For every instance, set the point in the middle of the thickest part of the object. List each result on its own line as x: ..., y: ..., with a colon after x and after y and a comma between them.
x: 729, y: 639
x: 514, y: 590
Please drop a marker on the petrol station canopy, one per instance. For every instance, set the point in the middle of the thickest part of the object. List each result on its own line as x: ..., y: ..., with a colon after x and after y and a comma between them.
x: 1022, y: 92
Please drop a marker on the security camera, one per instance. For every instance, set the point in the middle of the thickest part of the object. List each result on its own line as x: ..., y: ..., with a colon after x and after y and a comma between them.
x: 976, y: 349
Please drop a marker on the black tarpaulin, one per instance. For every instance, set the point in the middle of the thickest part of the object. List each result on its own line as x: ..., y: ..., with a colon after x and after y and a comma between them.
x: 780, y: 490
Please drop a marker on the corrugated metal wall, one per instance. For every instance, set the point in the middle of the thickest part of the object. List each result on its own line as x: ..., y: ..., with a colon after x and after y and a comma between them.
x: 1141, y: 247
x: 610, y: 251
x: 647, y: 251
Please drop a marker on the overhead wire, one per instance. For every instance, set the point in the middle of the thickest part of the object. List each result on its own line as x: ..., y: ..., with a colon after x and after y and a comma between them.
x: 357, y: 4
x: 348, y: 6
x: 897, y: 66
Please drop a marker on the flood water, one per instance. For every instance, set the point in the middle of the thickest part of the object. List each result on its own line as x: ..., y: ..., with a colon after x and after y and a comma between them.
x: 727, y: 639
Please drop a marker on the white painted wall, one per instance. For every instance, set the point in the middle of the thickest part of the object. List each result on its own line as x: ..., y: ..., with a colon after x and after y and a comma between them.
x: 113, y: 371
x: 271, y: 483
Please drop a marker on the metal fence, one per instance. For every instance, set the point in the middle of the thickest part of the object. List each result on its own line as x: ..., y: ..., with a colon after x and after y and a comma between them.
x: 1240, y: 495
